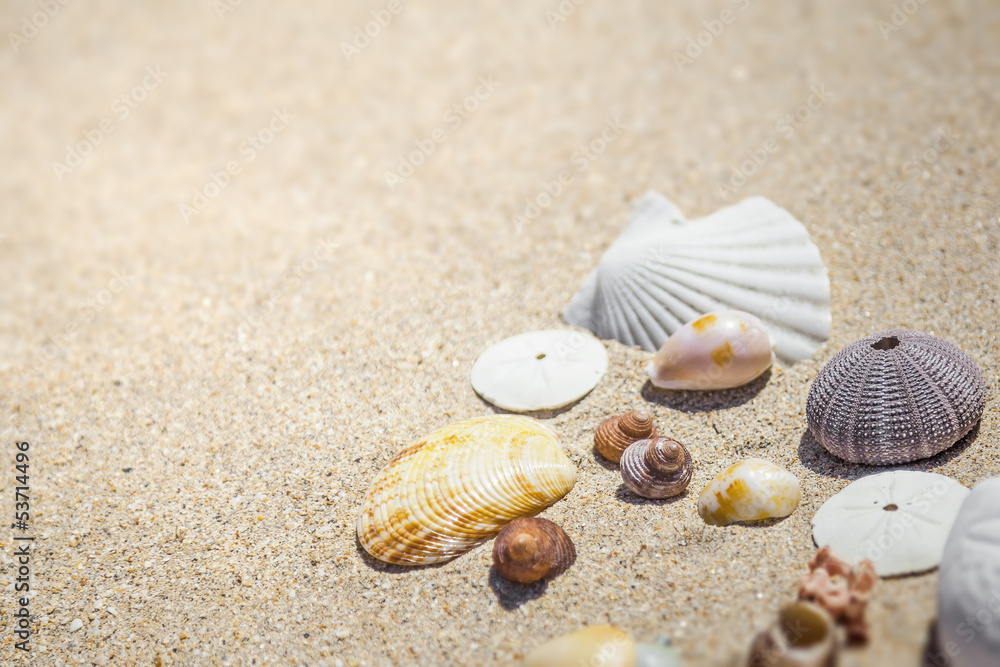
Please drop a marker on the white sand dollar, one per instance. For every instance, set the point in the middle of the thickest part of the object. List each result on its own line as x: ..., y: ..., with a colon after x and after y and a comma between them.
x: 899, y: 520
x: 540, y: 370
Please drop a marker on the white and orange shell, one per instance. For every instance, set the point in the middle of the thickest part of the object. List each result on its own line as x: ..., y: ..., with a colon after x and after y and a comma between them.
x: 750, y: 490
x: 457, y: 487
x: 718, y: 350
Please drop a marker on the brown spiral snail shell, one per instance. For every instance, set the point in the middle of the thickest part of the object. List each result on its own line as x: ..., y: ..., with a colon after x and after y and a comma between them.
x: 615, y: 434
x: 656, y: 468
x: 530, y: 548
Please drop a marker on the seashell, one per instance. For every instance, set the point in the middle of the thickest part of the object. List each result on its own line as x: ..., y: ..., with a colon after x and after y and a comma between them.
x: 660, y: 653
x: 895, y: 396
x: 528, y: 549
x: 656, y: 468
x: 968, y: 598
x: 663, y: 271
x: 613, y: 436
x: 803, y: 636
x: 454, y: 489
x: 539, y: 370
x: 898, y: 520
x: 603, y: 645
x: 840, y: 589
x: 719, y: 350
x: 747, y: 491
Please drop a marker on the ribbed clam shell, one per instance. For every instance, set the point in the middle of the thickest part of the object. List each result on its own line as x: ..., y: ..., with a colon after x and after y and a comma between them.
x: 454, y: 489
x: 663, y: 271
x: 895, y: 396
x: 530, y: 548
x: 656, y: 468
x: 968, y: 600
x: 613, y: 435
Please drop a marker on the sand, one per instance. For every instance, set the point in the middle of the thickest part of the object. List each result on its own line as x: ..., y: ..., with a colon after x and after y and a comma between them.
x: 208, y: 392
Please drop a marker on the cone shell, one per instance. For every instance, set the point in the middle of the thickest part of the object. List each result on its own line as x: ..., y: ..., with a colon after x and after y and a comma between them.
x: 457, y: 487
x: 748, y: 491
x: 603, y: 645
x: 530, y: 548
x: 895, y: 396
x: 656, y: 468
x: 719, y: 350
x: 615, y: 434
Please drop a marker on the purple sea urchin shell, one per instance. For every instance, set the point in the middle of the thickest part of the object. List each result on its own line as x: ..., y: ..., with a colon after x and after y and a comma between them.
x: 895, y: 396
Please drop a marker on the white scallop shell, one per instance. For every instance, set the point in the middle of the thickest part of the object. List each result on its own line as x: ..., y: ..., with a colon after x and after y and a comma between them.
x: 857, y: 526
x: 750, y: 490
x: 969, y: 581
x: 540, y: 370
x: 663, y: 271
x: 718, y: 350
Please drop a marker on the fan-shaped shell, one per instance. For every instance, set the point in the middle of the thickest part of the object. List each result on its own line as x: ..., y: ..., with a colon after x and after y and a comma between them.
x: 895, y: 396
x: 531, y: 548
x: 969, y: 581
x: 656, y: 468
x: 614, y: 435
x: 457, y: 487
x: 663, y: 271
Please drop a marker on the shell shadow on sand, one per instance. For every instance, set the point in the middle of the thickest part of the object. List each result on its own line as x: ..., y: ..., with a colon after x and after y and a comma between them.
x: 705, y: 401
x: 511, y: 594
x: 534, y: 414
x: 388, y: 568
x: 626, y: 496
x: 814, y: 457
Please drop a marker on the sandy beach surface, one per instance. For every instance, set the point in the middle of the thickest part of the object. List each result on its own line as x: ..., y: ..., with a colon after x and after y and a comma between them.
x: 231, y: 295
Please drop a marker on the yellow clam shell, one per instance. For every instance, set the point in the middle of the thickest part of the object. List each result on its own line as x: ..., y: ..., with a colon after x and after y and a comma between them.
x: 603, y: 645
x: 457, y: 487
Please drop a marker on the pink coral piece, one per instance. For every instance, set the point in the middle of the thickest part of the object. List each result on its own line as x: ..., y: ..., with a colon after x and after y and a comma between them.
x: 841, y: 589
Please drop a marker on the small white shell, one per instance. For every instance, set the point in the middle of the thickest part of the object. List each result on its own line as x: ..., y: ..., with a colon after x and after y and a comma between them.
x: 540, y: 370
x: 747, y: 491
x: 718, y: 350
x: 603, y: 645
x: 663, y: 270
x: 969, y: 581
x: 898, y: 520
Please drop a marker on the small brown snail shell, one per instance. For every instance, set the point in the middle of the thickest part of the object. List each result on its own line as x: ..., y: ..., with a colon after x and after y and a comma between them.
x: 528, y: 549
x: 803, y: 636
x: 656, y: 468
x: 615, y: 434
